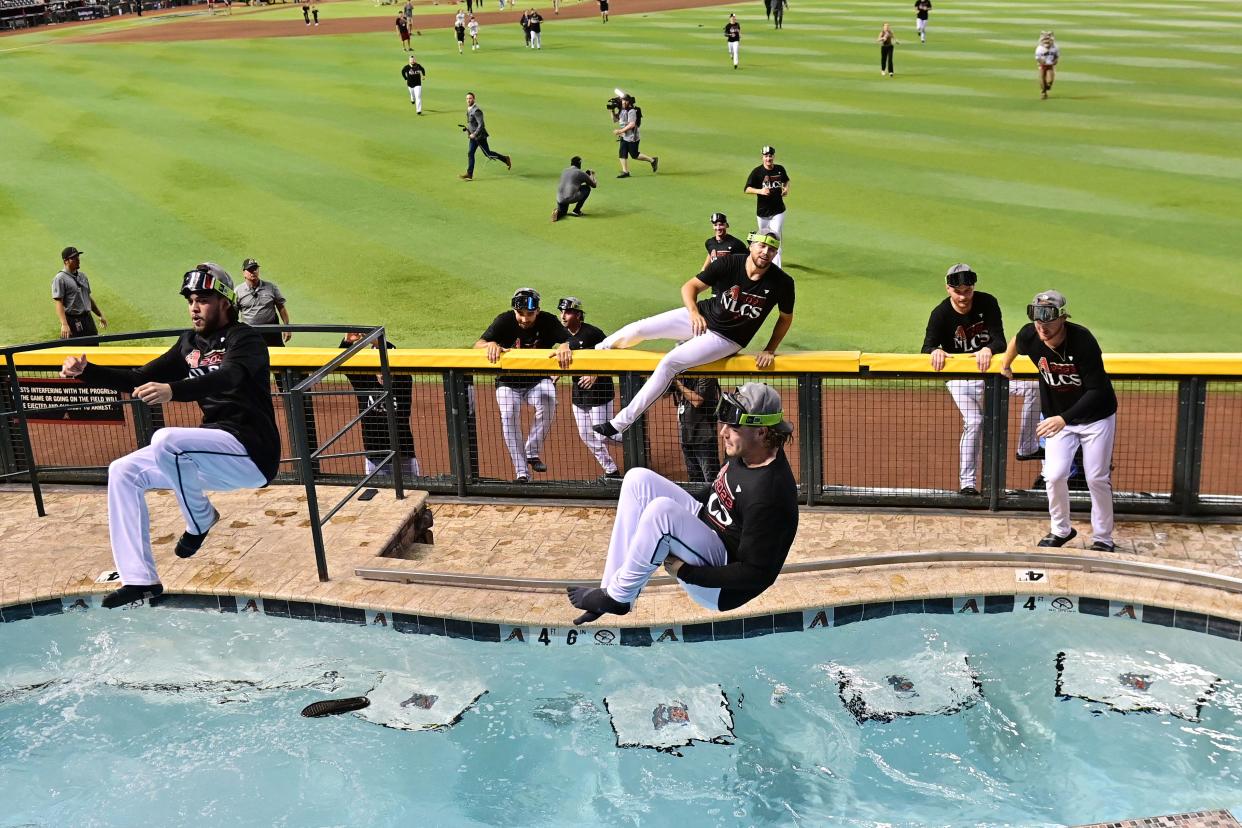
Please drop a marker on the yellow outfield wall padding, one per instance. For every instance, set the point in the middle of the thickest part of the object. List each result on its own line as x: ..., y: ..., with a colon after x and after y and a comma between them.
x: 590, y: 361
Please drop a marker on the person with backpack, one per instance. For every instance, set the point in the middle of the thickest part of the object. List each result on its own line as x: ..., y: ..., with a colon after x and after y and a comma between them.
x: 628, y: 121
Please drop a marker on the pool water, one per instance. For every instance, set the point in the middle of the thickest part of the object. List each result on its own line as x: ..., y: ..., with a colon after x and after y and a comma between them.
x: 189, y: 718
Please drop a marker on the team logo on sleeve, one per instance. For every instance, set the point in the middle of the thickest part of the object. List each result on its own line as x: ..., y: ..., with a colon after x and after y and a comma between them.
x: 201, y: 363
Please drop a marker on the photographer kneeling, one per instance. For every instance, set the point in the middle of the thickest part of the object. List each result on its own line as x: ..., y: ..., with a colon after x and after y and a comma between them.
x: 574, y: 188
x: 628, y: 120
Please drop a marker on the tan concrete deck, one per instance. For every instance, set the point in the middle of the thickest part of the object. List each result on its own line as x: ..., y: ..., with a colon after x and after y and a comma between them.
x: 263, y: 548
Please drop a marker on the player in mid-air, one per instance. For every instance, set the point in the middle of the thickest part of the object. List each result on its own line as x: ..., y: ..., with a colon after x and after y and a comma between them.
x: 744, y: 289
x: 222, y: 364
x: 724, y: 546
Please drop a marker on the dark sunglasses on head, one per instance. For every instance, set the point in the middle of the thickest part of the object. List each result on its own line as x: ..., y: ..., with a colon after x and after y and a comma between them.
x: 1044, y: 313
x: 732, y: 413
x: 965, y: 278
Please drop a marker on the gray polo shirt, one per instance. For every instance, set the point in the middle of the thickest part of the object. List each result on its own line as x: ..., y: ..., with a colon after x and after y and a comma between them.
x: 257, y: 305
x: 74, y: 289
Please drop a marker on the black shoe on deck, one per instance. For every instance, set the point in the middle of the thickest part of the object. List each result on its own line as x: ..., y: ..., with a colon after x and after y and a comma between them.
x: 130, y: 593
x: 537, y: 464
x: 191, y: 543
x: 969, y: 491
x: 1056, y: 540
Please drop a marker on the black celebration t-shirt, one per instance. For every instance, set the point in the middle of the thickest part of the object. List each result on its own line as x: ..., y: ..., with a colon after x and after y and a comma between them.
x: 728, y: 246
x: 547, y: 332
x: 739, y: 305
x: 770, y: 181
x: 588, y: 336
x: 1072, y: 381
x: 957, y: 333
x: 755, y: 513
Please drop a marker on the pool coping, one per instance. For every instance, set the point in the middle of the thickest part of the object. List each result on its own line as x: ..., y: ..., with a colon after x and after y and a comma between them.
x: 263, y: 561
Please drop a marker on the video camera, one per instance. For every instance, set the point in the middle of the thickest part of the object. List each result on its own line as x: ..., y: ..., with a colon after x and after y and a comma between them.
x: 614, y: 104
x: 464, y: 128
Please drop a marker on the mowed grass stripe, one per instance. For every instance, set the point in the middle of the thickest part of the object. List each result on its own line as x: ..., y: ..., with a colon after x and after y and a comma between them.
x: 305, y: 152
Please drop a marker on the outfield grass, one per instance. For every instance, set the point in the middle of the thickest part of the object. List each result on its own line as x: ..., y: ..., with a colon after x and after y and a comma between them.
x: 1124, y: 190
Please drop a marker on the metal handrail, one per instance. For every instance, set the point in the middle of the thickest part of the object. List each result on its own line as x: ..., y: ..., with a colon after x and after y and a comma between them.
x: 1088, y: 563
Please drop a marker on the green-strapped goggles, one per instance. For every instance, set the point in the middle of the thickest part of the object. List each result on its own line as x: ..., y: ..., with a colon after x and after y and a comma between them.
x: 731, y: 412
x: 769, y: 239
x: 1044, y: 313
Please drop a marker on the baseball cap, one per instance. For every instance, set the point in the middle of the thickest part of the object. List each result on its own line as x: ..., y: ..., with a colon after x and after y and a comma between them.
x: 718, y: 217
x: 753, y: 404
x: 250, y: 264
x: 525, y: 299
x: 768, y: 150
x: 572, y: 303
x: 960, y: 274
x: 208, y: 276
x: 1046, y: 299
x: 69, y: 253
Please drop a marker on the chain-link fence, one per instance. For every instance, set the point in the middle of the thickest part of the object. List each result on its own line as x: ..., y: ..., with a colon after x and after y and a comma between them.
x: 895, y: 438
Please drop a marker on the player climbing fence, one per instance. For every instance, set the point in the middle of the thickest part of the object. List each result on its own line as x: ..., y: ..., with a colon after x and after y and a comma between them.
x: 869, y: 429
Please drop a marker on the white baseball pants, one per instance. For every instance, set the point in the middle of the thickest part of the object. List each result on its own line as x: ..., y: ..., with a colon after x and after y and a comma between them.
x: 542, y: 397
x: 733, y: 49
x: 534, y: 40
x: 416, y: 98
x: 656, y: 517
x: 411, y: 468
x: 586, y: 418
x: 777, y: 225
x: 186, y: 460
x: 692, y: 352
x: 922, y: 28
x: 968, y: 397
x: 1096, y: 440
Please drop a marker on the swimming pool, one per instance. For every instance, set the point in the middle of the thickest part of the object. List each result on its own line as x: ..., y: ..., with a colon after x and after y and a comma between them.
x: 186, y: 717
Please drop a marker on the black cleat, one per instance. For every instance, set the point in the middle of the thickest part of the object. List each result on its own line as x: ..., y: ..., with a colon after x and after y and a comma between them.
x: 596, y: 602
x: 521, y: 478
x: 1037, y: 454
x: 624, y: 175
x: 131, y: 593
x: 1056, y: 540
x: 606, y: 429
x: 611, y: 477
x: 537, y: 464
x: 1039, y: 483
x: 969, y: 491
x: 1101, y: 546
x: 191, y: 543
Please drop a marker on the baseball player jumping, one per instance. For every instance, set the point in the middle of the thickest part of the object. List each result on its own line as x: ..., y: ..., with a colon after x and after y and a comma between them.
x: 744, y: 291
x: 725, y: 546
x: 221, y: 364
x: 1080, y: 409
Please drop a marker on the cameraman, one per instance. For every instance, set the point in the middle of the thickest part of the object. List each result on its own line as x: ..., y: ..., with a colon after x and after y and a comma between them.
x: 574, y: 188
x: 628, y: 120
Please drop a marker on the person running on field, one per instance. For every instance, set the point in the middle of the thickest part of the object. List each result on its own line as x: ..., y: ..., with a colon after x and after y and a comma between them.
x: 733, y: 37
x: 476, y: 131
x: 1047, y: 55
